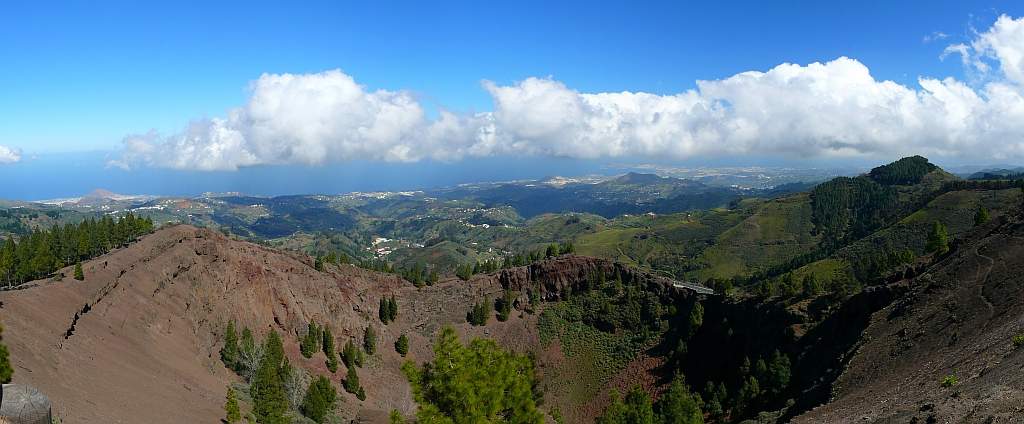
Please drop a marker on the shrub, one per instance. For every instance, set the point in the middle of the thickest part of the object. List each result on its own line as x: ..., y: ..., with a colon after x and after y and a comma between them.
x: 79, y: 274
x: 1018, y: 340
x: 949, y: 381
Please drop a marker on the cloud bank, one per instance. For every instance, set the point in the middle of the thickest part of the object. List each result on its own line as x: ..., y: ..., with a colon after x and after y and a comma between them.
x: 9, y: 155
x: 834, y: 108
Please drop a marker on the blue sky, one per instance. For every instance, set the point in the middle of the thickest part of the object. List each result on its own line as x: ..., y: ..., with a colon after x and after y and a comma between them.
x: 81, y: 76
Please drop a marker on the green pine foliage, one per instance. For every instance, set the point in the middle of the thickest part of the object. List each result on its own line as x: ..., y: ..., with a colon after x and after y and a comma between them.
x: 369, y: 340
x: 229, y: 353
x: 393, y: 308
x: 232, y: 413
x: 417, y: 275
x: 464, y: 272
x: 402, y: 345
x: 636, y: 409
x: 270, y: 402
x: 844, y: 208
x: 248, y: 355
x: 351, y: 356
x: 79, y: 273
x: 490, y: 384
x: 42, y: 252
x: 328, y: 349
x: 906, y: 171
x: 778, y: 373
x: 388, y: 309
x: 504, y: 306
x: 319, y: 400
x: 361, y: 394
x: 981, y: 216
x: 311, y: 341
x: 351, y: 383
x: 6, y: 371
x: 938, y: 239
x: 552, y: 251
x: 480, y: 312
x: 395, y: 417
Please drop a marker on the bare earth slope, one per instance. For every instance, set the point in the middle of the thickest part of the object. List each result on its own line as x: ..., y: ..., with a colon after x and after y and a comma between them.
x: 958, y: 320
x: 145, y: 349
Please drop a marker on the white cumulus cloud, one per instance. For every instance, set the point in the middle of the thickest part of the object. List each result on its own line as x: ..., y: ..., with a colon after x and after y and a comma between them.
x: 9, y: 155
x: 833, y: 108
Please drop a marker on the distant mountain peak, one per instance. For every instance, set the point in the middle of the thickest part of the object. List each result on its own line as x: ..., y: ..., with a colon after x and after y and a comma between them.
x: 101, y: 193
x: 639, y: 178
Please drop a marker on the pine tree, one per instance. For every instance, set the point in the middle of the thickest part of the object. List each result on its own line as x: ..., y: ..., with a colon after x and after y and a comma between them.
x: 395, y: 417
x: 79, y: 274
x: 480, y: 313
x: 392, y: 309
x: 474, y: 383
x: 270, y: 402
x: 402, y: 345
x: 778, y: 373
x: 636, y: 409
x: 748, y: 395
x: 6, y: 371
x: 319, y: 399
x: 938, y: 239
x: 232, y: 413
x: 351, y: 380
x: 311, y: 342
x: 369, y: 340
x: 229, y: 353
x: 248, y: 354
x: 679, y: 406
x: 504, y: 306
x: 361, y: 394
x: 383, y: 310
x: 981, y: 216
x: 328, y: 348
x: 349, y: 355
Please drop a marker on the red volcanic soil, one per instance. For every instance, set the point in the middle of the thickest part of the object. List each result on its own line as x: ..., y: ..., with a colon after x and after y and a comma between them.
x: 151, y: 316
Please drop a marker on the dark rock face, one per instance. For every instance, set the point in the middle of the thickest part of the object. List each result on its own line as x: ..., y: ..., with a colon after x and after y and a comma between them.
x: 553, y: 277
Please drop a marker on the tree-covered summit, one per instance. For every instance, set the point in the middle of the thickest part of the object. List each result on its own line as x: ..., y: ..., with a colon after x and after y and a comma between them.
x: 906, y: 171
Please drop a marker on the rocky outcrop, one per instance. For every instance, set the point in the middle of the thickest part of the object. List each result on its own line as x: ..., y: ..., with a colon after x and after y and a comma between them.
x: 552, y: 278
